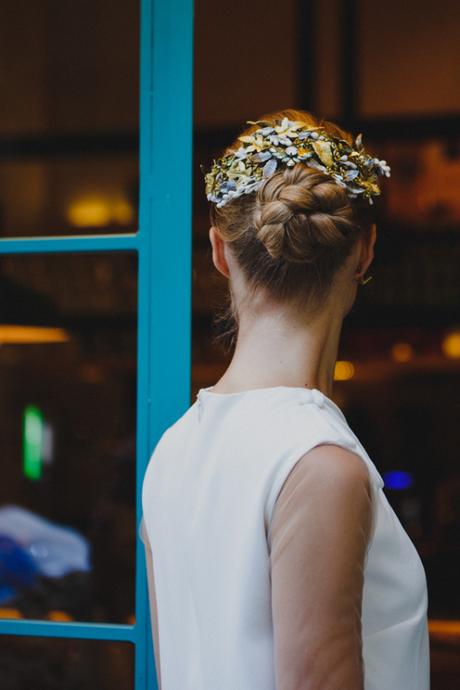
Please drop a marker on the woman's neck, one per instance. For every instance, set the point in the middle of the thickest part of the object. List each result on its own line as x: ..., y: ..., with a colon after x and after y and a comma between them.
x: 274, y: 350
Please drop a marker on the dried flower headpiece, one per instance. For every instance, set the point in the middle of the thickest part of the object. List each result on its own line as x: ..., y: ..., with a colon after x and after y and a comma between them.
x: 262, y: 153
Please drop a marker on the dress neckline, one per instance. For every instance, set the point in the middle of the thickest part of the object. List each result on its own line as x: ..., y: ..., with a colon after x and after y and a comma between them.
x: 304, y: 394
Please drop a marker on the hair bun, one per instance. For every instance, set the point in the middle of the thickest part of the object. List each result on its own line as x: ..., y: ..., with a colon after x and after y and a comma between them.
x: 301, y: 212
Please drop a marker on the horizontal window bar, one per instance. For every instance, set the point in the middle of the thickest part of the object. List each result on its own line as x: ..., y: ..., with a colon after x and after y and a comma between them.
x: 81, y: 243
x: 84, y: 631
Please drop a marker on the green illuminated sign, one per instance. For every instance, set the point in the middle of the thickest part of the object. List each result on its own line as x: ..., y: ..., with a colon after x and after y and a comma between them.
x: 33, y: 442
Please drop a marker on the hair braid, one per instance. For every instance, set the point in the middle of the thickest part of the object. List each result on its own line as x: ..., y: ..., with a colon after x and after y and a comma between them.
x: 299, y: 212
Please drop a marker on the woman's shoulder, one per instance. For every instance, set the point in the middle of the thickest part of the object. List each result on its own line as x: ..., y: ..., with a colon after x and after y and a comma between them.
x: 331, y: 463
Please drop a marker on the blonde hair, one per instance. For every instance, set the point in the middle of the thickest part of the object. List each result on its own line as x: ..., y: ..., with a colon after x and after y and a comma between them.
x: 291, y: 235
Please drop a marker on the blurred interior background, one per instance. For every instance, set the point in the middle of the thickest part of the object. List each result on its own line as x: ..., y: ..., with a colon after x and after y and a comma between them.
x: 69, y: 166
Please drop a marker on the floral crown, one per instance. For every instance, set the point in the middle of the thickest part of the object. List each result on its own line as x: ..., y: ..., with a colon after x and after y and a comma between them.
x: 289, y: 142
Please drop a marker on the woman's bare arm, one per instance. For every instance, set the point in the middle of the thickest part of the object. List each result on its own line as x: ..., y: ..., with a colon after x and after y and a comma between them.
x: 318, y: 537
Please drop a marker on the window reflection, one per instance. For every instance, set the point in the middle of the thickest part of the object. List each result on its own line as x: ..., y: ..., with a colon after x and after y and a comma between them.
x: 84, y: 195
x: 69, y: 133
x: 53, y: 664
x: 67, y: 394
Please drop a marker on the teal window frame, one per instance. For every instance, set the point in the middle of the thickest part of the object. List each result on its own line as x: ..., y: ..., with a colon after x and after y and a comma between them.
x: 163, y: 244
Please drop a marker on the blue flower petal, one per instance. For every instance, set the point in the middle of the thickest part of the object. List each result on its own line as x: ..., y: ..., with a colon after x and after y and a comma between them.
x: 269, y: 167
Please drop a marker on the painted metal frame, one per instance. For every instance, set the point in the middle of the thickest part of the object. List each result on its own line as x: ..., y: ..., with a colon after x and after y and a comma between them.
x: 163, y: 244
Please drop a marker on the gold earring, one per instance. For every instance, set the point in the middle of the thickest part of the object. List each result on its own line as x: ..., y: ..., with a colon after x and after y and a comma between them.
x: 363, y: 282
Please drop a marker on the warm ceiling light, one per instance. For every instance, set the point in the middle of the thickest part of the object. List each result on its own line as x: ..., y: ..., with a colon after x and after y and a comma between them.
x: 89, y: 212
x: 98, y: 212
x: 59, y: 616
x: 21, y: 335
x: 451, y: 345
x: 402, y: 352
x: 444, y: 629
x: 6, y: 612
x: 343, y: 370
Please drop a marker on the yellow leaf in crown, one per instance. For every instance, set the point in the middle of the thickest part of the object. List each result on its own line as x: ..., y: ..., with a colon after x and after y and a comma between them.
x: 324, y: 152
x: 247, y: 139
x: 370, y: 186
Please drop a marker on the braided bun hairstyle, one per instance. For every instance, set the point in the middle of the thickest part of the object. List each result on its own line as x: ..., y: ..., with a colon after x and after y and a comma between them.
x: 293, y: 233
x: 300, y: 212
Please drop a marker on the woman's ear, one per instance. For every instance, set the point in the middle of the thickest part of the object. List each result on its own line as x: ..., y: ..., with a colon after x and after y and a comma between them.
x: 367, y: 251
x: 370, y: 245
x: 218, y: 252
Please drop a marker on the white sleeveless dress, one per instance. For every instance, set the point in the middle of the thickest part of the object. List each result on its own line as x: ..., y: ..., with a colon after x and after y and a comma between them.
x: 208, y: 499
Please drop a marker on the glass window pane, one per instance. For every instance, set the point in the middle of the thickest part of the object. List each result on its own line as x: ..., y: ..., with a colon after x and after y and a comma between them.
x: 86, y: 195
x: 47, y: 663
x: 68, y: 400
x: 69, y: 136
